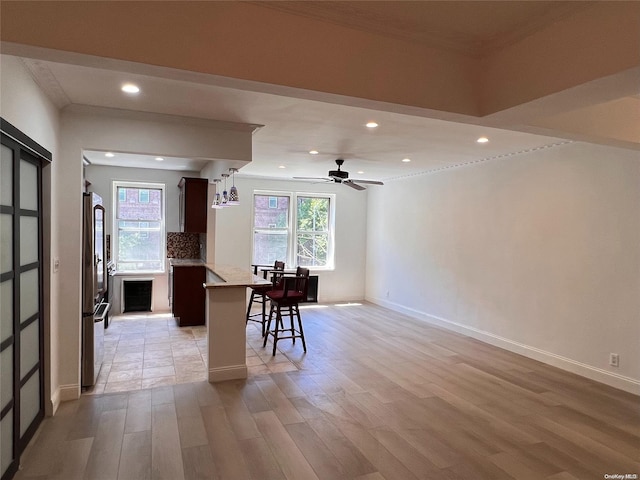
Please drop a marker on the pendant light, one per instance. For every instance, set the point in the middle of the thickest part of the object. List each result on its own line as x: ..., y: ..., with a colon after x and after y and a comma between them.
x: 217, y: 201
x: 225, y: 194
x: 234, y: 199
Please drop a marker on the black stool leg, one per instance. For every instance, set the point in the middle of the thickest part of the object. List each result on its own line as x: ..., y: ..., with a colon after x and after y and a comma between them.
x: 304, y: 345
x: 293, y: 330
x: 250, y: 304
x: 275, y: 335
x: 266, y: 335
x: 264, y: 313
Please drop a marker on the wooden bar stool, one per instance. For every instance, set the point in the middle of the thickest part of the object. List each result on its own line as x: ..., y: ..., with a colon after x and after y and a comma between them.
x: 258, y: 295
x: 293, y: 292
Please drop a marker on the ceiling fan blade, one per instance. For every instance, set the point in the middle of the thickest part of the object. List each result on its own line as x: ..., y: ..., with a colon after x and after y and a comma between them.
x: 353, y: 185
x: 316, y: 179
x: 368, y: 182
x: 325, y: 179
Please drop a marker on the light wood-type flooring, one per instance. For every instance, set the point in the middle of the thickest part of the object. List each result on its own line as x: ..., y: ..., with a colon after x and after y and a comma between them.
x: 378, y: 396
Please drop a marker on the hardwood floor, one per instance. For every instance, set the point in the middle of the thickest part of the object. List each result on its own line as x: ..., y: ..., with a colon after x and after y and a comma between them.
x: 378, y: 396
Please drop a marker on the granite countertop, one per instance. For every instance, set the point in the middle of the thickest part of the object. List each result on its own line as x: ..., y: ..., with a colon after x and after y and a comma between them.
x: 186, y: 262
x: 219, y: 276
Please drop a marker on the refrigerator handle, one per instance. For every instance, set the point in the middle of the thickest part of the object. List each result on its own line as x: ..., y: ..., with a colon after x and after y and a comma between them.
x: 103, y: 249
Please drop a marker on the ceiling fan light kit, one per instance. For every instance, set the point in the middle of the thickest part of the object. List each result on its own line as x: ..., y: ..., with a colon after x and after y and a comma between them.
x: 341, y: 176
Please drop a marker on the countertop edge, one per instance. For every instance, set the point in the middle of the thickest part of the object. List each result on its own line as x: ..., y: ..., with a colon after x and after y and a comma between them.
x: 232, y: 277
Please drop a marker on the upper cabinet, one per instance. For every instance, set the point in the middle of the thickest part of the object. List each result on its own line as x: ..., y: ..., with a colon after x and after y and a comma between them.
x: 193, y: 204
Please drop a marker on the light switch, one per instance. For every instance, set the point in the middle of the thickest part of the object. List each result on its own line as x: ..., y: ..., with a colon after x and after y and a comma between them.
x: 56, y: 264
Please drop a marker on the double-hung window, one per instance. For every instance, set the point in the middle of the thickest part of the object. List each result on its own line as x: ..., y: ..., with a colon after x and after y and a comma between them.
x: 296, y: 228
x: 139, y: 226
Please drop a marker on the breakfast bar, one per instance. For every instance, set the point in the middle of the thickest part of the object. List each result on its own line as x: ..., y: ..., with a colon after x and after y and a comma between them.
x: 226, y: 299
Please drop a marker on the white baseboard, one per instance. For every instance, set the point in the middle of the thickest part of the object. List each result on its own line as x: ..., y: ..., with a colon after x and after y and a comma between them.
x: 64, y: 393
x: 233, y: 372
x: 612, y: 379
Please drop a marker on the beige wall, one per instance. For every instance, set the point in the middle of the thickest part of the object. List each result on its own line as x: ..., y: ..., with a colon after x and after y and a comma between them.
x: 538, y: 253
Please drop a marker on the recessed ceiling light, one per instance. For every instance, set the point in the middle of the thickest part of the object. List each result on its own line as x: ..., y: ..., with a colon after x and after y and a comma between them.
x: 313, y: 152
x: 371, y: 125
x: 109, y: 155
x: 159, y: 159
x: 360, y: 172
x: 130, y: 88
x: 282, y: 166
x: 482, y: 140
x: 406, y: 160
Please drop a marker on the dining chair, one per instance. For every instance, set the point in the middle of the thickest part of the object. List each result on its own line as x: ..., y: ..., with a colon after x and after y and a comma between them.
x: 258, y: 292
x: 292, y: 292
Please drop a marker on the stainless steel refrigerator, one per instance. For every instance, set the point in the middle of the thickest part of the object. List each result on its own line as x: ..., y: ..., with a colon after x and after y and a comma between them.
x: 94, y: 278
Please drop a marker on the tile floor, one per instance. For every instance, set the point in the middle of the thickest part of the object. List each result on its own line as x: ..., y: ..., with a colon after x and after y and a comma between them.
x: 149, y: 350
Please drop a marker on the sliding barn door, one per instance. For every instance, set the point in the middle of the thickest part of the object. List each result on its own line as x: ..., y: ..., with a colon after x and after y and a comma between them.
x: 21, y: 295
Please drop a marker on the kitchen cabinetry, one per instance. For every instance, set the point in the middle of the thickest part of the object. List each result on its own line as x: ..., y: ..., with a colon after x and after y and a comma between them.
x: 193, y: 204
x: 188, y: 295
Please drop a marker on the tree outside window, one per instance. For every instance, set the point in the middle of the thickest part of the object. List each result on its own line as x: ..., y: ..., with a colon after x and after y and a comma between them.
x: 312, y: 232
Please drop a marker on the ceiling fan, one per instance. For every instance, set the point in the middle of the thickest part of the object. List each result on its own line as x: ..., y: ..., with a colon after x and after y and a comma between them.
x: 340, y: 176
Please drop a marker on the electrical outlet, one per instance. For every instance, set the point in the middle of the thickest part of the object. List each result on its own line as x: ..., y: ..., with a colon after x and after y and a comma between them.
x: 614, y: 360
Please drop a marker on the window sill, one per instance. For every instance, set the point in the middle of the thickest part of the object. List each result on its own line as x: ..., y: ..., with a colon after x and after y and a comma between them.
x: 139, y: 273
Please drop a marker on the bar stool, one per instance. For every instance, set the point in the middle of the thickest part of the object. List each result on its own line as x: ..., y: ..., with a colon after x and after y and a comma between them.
x: 293, y: 292
x: 258, y: 294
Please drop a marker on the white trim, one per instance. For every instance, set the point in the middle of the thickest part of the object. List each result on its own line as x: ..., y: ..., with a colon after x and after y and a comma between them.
x: 64, y: 393
x: 232, y: 372
x: 292, y: 228
x: 163, y: 222
x: 612, y: 379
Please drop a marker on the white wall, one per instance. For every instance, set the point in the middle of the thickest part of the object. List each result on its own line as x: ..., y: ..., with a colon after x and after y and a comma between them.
x: 537, y: 253
x: 233, y: 234
x: 102, y: 178
x: 26, y: 107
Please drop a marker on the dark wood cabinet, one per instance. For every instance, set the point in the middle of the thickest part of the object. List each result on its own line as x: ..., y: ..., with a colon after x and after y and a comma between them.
x: 193, y: 204
x: 188, y: 303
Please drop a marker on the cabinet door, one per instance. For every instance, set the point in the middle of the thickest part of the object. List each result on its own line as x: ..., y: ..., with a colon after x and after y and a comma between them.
x: 193, y: 206
x: 189, y: 295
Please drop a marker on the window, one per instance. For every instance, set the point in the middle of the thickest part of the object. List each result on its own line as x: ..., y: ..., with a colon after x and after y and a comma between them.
x: 139, y: 227
x: 296, y: 228
x: 312, y: 235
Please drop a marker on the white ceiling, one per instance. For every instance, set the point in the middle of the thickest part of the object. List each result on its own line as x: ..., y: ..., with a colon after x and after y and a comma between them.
x: 292, y: 126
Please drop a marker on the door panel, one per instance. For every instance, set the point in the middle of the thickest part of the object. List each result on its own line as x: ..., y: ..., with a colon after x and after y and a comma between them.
x: 6, y: 441
x: 21, y: 302
x: 29, y: 348
x: 6, y: 381
x: 29, y: 294
x: 29, y: 236
x: 6, y: 311
x: 6, y: 237
x: 28, y: 185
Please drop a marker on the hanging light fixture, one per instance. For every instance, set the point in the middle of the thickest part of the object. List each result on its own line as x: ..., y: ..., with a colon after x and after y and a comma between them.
x: 217, y: 201
x: 234, y: 199
x: 225, y: 194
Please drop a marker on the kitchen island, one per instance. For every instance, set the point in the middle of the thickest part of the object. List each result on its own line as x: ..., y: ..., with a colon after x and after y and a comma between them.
x: 226, y: 303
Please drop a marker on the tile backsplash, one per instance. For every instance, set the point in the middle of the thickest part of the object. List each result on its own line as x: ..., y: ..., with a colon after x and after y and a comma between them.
x: 183, y: 245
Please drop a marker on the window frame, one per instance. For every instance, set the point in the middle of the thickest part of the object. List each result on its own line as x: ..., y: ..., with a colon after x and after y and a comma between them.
x: 115, y: 225
x: 292, y: 229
